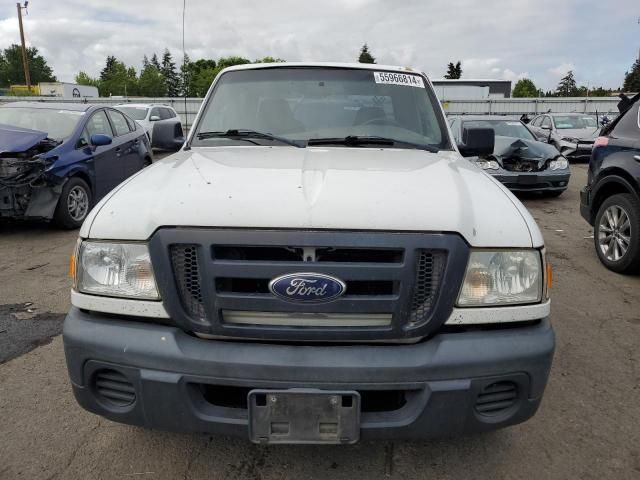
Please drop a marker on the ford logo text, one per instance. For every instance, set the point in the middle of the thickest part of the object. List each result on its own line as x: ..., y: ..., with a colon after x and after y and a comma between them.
x: 307, y: 287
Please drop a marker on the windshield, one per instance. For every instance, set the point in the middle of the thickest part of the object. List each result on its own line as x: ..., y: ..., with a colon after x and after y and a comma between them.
x: 300, y: 104
x: 504, y: 128
x: 574, y: 122
x: 136, y: 113
x: 57, y: 124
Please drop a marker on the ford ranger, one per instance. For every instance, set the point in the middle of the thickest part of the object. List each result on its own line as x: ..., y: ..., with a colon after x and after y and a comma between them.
x: 318, y: 264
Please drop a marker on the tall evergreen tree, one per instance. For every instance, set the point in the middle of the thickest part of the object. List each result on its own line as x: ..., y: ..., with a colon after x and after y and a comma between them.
x: 567, y: 86
x: 454, y: 71
x: 151, y: 83
x: 365, y: 55
x: 155, y: 62
x: 171, y: 77
x: 632, y: 78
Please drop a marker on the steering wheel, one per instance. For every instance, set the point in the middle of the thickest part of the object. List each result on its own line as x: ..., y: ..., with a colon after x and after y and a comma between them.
x: 382, y: 121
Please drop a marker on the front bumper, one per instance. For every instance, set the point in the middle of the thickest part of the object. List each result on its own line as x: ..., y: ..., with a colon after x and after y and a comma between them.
x: 183, y: 383
x: 578, y: 152
x: 545, y: 181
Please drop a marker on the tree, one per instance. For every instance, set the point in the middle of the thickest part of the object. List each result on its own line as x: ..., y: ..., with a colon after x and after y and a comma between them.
x: 525, y: 88
x: 12, y: 71
x: 365, y: 55
x: 454, y: 71
x: 567, y: 86
x: 269, y: 60
x: 82, y: 78
x: 151, y: 82
x: 632, y: 78
x: 206, y: 75
x: 191, y: 71
x: 117, y: 79
x: 155, y: 62
x: 171, y: 77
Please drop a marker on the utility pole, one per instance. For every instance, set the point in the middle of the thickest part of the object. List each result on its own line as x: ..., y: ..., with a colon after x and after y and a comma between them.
x: 25, y: 61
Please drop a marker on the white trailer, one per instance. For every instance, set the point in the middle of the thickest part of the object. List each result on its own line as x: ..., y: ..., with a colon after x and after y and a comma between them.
x: 67, y: 91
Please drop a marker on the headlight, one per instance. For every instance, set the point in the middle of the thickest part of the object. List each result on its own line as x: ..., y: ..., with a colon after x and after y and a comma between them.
x: 570, y: 139
x: 502, y: 278
x: 115, y: 270
x: 488, y: 164
x: 559, y: 163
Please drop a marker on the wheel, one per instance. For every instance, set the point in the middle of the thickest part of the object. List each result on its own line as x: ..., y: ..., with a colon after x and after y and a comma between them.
x: 617, y: 233
x: 74, y: 204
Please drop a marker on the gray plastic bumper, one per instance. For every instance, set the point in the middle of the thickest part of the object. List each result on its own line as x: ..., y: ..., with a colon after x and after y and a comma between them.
x: 167, y: 371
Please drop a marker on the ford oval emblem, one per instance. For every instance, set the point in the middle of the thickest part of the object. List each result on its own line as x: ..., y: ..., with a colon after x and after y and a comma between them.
x: 307, y: 287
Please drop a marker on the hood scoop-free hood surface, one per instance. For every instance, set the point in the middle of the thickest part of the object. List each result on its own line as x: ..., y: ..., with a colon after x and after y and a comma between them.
x: 313, y: 188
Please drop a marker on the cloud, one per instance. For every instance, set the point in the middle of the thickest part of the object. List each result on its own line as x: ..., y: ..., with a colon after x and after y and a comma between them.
x: 562, y: 69
x: 537, y: 39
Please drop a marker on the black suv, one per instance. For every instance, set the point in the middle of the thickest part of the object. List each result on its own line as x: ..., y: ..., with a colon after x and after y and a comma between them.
x: 611, y: 200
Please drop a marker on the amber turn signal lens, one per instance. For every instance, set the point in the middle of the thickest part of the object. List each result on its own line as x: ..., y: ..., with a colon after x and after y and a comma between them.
x: 549, y: 278
x: 72, y: 267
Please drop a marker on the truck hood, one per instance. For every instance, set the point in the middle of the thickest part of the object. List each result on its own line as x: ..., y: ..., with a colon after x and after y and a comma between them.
x: 315, y: 188
x: 16, y: 139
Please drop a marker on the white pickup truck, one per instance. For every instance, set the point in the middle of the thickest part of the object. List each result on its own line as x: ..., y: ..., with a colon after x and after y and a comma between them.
x: 318, y: 264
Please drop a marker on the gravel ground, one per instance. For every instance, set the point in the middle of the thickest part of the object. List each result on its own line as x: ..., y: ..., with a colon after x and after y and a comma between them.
x: 588, y: 426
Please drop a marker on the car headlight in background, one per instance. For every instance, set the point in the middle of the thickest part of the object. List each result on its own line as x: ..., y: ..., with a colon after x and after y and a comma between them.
x: 569, y: 139
x: 488, y: 164
x: 115, y: 270
x: 495, y: 278
x: 559, y: 163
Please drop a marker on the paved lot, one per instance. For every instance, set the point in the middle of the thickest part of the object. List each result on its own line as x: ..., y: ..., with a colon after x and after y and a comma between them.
x: 588, y: 425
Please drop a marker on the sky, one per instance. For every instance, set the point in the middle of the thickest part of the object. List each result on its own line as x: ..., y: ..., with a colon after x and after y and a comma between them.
x: 502, y: 39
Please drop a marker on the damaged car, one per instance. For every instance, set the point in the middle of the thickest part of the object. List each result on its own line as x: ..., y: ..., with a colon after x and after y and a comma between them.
x: 58, y: 159
x: 519, y: 161
x: 573, y: 134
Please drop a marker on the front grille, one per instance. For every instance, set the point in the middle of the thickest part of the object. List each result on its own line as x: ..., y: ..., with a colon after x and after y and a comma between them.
x: 497, y: 398
x: 113, y: 388
x: 184, y: 259
x: 429, y: 268
x: 394, y: 282
x: 523, y: 166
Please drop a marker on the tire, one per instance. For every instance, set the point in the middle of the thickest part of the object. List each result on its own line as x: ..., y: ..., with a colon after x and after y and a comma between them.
x: 617, y: 225
x: 71, y: 212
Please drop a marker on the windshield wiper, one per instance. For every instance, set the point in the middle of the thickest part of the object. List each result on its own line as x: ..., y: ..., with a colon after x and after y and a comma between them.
x: 357, y: 140
x: 246, y: 135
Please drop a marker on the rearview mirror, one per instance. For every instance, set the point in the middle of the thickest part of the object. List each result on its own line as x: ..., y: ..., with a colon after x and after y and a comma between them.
x: 154, y: 118
x: 100, y: 139
x: 477, y: 142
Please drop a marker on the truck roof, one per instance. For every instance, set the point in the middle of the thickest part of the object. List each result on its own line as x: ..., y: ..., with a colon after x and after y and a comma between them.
x: 361, y: 66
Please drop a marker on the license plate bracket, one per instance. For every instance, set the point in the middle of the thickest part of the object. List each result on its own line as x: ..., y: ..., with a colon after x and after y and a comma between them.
x: 303, y: 416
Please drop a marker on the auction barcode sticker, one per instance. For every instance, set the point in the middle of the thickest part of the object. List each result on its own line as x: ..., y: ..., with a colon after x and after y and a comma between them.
x: 404, y: 79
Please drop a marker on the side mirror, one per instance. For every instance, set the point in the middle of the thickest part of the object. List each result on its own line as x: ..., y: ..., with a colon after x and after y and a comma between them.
x: 99, y: 139
x: 168, y: 135
x: 154, y: 118
x: 477, y: 142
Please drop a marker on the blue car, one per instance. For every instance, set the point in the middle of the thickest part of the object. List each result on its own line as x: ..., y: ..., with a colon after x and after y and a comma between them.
x: 58, y: 159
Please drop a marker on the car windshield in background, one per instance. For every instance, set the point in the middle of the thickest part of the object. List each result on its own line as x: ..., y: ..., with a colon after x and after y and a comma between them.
x: 322, y: 104
x: 57, y: 124
x: 504, y: 128
x: 136, y: 113
x: 574, y: 122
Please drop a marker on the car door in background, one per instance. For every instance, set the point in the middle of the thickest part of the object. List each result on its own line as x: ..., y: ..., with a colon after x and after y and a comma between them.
x: 108, y: 167
x: 127, y: 144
